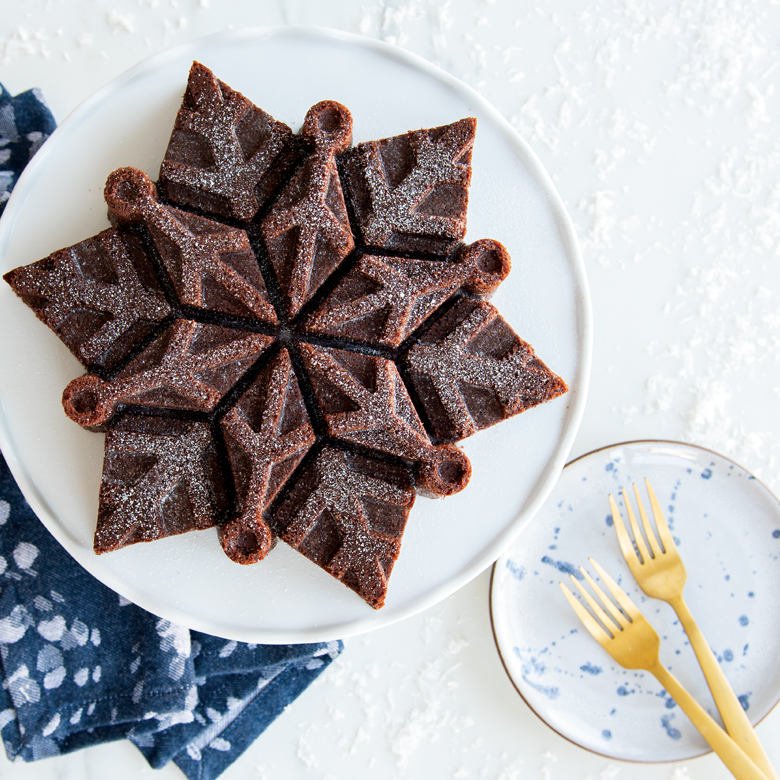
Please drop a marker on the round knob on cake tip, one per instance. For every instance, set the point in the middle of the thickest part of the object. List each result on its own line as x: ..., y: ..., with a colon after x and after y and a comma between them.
x: 246, y: 540
x: 328, y: 125
x: 446, y: 472
x: 128, y: 192
x: 86, y: 402
x: 490, y: 265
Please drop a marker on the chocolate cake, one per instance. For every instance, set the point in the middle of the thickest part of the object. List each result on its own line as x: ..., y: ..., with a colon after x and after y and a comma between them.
x: 286, y: 336
x: 101, y: 296
x: 161, y: 476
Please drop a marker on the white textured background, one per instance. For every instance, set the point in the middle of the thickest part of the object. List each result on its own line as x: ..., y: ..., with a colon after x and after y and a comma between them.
x: 658, y: 122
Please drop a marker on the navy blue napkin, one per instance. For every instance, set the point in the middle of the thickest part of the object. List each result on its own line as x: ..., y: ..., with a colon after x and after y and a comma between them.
x: 25, y: 123
x: 80, y: 664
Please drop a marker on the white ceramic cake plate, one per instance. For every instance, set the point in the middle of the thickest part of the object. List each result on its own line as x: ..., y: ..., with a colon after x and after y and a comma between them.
x: 187, y: 579
x: 727, y: 527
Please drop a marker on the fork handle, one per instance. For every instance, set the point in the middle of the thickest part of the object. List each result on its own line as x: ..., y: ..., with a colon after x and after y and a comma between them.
x: 736, y: 760
x: 735, y: 718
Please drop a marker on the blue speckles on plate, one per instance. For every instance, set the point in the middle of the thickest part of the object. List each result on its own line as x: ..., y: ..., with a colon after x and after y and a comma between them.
x: 533, y: 671
x: 723, y: 519
x: 671, y: 731
x: 517, y: 571
x: 564, y: 567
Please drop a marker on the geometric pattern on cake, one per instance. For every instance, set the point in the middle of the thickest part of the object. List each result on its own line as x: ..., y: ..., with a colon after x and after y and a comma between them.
x: 347, y: 513
x: 365, y: 402
x: 471, y: 370
x: 268, y: 432
x: 99, y: 296
x: 287, y: 337
x: 160, y: 477
x: 307, y: 232
x: 382, y: 300
x: 210, y: 265
x: 225, y: 156
x: 190, y: 366
x: 410, y: 192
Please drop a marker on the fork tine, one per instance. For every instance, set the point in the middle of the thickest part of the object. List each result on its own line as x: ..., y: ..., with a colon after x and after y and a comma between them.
x: 649, y: 532
x: 660, y: 521
x: 629, y: 553
x: 596, y: 631
x: 616, y: 614
x: 620, y: 596
x: 638, y: 539
x: 610, y: 624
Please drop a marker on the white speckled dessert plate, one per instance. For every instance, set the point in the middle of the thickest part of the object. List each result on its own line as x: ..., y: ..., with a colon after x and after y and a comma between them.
x: 727, y: 527
x: 187, y: 579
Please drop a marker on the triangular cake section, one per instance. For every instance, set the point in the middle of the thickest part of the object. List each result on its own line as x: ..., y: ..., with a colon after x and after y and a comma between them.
x: 470, y: 370
x: 384, y: 299
x: 267, y: 434
x: 410, y: 192
x: 100, y: 296
x: 161, y: 477
x: 307, y: 232
x: 226, y: 156
x: 347, y: 513
x: 190, y: 366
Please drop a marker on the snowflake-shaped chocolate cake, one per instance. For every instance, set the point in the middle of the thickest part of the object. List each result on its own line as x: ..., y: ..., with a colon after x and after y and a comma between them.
x: 285, y: 336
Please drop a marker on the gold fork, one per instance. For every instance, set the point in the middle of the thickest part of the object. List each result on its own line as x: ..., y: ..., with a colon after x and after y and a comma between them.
x: 634, y: 644
x: 660, y: 573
